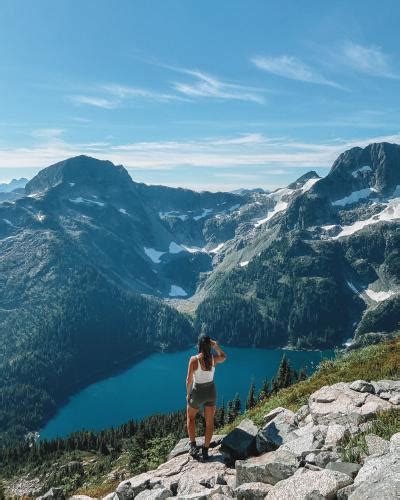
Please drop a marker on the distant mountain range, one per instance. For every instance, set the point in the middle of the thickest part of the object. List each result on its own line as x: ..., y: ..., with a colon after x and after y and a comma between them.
x: 96, y: 267
x: 6, y: 187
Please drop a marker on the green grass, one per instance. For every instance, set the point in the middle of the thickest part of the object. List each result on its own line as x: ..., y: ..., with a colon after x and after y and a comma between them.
x: 387, y: 423
x: 376, y: 362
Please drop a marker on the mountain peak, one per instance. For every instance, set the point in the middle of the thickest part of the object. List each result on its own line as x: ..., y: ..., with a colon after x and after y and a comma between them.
x: 303, y: 179
x: 79, y: 169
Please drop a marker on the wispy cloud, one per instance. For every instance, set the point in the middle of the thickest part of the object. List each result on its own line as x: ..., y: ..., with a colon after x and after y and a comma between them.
x: 47, y: 133
x: 368, y: 59
x: 253, y: 152
x: 97, y: 102
x: 127, y: 92
x: 293, y: 69
x: 208, y: 86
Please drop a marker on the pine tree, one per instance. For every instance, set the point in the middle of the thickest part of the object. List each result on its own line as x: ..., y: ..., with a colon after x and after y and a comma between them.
x: 264, y: 391
x: 237, y: 405
x: 230, y: 412
x: 302, y: 375
x: 251, y: 398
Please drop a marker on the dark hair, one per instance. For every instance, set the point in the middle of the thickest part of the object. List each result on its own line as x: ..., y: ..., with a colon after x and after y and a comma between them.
x: 204, y: 346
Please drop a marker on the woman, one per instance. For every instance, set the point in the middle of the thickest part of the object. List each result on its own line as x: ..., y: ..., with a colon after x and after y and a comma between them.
x: 200, y: 390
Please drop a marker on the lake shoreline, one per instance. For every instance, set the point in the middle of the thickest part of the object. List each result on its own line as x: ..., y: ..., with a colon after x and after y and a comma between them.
x: 152, y: 382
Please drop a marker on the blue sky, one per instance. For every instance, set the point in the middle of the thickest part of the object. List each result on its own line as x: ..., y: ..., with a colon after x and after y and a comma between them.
x: 202, y: 94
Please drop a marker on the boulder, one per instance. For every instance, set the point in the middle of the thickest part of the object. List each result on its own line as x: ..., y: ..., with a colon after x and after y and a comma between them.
x: 252, y: 491
x: 133, y: 486
x: 341, y: 405
x: 182, y: 445
x: 362, y: 386
x: 394, y: 444
x: 307, y: 485
x: 376, y: 445
x: 155, y: 494
x: 348, y: 468
x: 241, y: 442
x: 53, y: 494
x: 273, y: 413
x: 111, y: 496
x: 386, y: 386
x: 305, y: 444
x: 395, y: 399
x: 344, y: 493
x: 378, y: 467
x: 335, y: 434
x: 277, y: 431
x: 268, y: 468
x: 321, y: 458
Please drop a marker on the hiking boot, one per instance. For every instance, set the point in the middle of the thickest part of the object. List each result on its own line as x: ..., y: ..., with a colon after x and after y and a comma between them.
x: 193, y: 449
x: 204, y: 453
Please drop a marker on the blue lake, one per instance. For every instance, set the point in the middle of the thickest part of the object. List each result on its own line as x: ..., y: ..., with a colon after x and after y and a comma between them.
x: 156, y: 384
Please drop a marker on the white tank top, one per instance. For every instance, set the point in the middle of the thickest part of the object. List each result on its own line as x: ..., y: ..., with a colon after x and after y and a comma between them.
x: 201, y: 376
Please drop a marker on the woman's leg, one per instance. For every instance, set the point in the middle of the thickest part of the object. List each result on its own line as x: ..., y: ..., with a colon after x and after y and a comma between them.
x: 190, y: 422
x: 209, y: 412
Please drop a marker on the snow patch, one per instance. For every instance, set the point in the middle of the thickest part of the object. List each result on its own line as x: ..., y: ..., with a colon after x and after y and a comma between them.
x: 354, y: 197
x: 234, y: 207
x: 328, y: 227
x: 244, y: 263
x: 217, y: 248
x: 279, y: 207
x: 360, y: 170
x: 40, y: 217
x: 175, y: 248
x: 379, y: 296
x: 85, y: 201
x: 72, y: 184
x: 390, y: 213
x: 123, y: 211
x: 153, y: 254
x: 194, y: 249
x: 352, y: 287
x: 177, y: 291
x: 8, y: 222
x: 206, y: 211
x: 309, y: 184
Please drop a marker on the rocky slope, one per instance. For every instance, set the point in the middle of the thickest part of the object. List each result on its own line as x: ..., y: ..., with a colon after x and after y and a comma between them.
x: 293, y: 456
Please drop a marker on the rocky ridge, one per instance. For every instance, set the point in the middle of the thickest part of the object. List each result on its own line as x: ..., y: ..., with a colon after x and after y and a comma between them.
x: 293, y: 456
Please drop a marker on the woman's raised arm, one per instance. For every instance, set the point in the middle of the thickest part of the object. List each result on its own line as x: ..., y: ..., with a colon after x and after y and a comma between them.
x: 221, y: 355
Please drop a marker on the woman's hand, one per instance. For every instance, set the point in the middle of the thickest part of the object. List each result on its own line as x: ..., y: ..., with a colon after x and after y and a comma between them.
x: 214, y: 343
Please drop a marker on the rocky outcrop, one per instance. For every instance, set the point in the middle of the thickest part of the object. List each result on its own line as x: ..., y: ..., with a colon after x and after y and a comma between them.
x: 293, y: 456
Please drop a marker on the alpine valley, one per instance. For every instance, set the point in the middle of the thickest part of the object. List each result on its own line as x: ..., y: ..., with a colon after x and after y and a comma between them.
x: 94, y: 266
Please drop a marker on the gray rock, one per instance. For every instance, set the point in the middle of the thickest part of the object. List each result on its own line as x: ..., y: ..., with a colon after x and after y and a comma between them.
x: 341, y: 405
x: 268, y: 468
x: 348, y: 468
x: 335, y: 434
x: 307, y: 485
x: 241, y: 442
x: 395, y: 399
x: 111, y: 496
x: 301, y: 414
x: 53, y: 494
x: 156, y: 494
x: 273, y: 413
x: 376, y: 445
x: 386, y: 386
x: 395, y: 443
x: 133, y: 486
x: 362, y: 386
x: 182, y: 445
x: 385, y: 395
x: 377, y: 467
x: 344, y: 493
x: 252, y: 491
x: 321, y: 457
x: 303, y: 445
x: 276, y: 431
